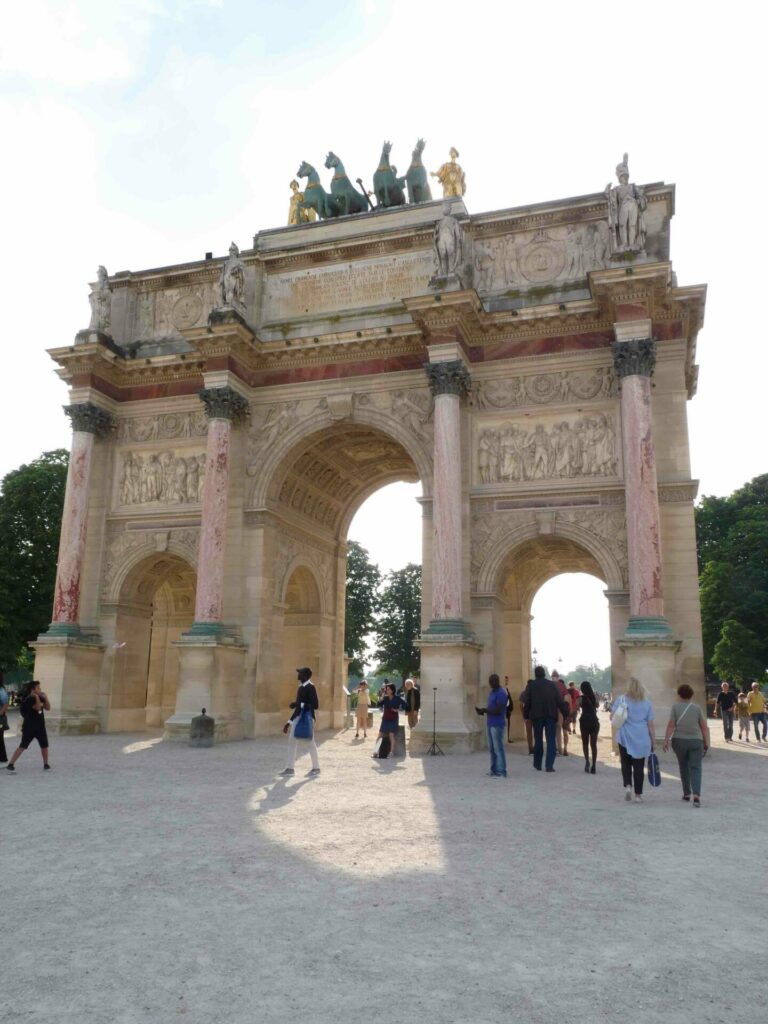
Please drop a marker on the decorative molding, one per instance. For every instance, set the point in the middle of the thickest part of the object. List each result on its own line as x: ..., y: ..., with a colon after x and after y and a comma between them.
x: 167, y: 426
x: 90, y: 419
x: 224, y: 404
x: 448, y: 378
x: 125, y: 548
x: 634, y: 358
x: 687, y: 492
x: 544, y: 389
x: 292, y: 552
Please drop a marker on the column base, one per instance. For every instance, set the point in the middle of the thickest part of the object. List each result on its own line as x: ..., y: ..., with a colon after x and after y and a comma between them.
x: 217, y: 631
x: 643, y: 627
x: 444, y: 628
x: 69, y: 667
x: 449, y: 675
x: 210, y: 677
x: 652, y: 660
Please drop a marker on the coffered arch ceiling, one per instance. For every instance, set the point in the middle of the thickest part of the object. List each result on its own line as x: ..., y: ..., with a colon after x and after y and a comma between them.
x: 528, y: 567
x: 335, y: 470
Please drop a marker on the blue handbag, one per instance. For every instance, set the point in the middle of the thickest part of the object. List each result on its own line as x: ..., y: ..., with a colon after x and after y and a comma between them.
x: 304, y: 725
x: 654, y: 772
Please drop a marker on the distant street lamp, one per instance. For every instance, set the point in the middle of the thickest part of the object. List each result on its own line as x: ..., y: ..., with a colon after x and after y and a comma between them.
x: 535, y: 652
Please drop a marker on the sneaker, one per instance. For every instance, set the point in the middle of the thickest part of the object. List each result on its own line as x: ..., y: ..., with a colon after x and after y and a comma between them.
x: 313, y: 771
x: 287, y: 771
x: 46, y: 767
x: 638, y: 798
x: 627, y: 793
x: 696, y: 802
x: 549, y: 769
x: 491, y: 775
x: 10, y: 767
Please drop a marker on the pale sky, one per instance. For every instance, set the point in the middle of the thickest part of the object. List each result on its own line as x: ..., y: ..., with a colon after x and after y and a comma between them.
x: 140, y: 133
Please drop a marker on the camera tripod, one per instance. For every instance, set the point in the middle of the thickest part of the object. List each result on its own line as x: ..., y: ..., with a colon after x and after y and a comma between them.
x: 435, y: 746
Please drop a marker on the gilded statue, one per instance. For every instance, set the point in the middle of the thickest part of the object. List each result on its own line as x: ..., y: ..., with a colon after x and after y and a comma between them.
x: 626, y: 212
x: 298, y: 214
x: 451, y: 176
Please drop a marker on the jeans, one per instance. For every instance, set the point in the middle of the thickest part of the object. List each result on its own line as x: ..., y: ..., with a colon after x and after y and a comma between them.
x: 757, y: 718
x: 727, y: 723
x: 632, y: 766
x: 689, y: 754
x: 544, y: 727
x: 496, y: 747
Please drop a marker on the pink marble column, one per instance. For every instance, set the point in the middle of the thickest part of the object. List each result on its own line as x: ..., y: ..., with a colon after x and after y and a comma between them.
x: 635, y: 361
x: 88, y: 421
x: 223, y: 406
x: 449, y: 382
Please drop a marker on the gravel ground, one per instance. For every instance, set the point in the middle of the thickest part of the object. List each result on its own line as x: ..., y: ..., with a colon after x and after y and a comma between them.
x: 146, y: 881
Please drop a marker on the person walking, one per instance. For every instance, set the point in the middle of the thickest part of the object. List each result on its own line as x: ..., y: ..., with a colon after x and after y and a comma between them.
x: 510, y: 708
x: 390, y: 704
x: 5, y: 699
x: 526, y: 720
x: 542, y: 703
x: 724, y: 706
x: 33, y: 708
x: 635, y: 737
x: 563, y: 691
x: 756, y: 704
x: 575, y: 698
x: 361, y: 712
x: 495, y: 715
x: 306, y: 697
x: 742, y: 713
x: 589, y: 724
x: 412, y: 702
x: 689, y: 733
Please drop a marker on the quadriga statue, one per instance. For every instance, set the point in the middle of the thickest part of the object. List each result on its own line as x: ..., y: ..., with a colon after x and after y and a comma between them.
x: 387, y: 187
x: 344, y: 195
x: 416, y: 177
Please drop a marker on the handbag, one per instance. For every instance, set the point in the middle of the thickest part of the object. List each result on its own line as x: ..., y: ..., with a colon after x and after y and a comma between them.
x: 304, y: 725
x: 620, y: 712
x: 654, y: 772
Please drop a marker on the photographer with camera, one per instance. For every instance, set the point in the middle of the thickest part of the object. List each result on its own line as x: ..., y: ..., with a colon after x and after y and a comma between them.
x: 33, y: 707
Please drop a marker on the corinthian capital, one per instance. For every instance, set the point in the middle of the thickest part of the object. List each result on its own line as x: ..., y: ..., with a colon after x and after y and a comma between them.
x: 450, y: 378
x: 223, y: 404
x: 636, y: 358
x: 87, y: 417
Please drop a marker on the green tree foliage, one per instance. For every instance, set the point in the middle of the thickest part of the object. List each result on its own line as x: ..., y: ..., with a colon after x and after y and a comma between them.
x: 399, y: 622
x: 600, y: 678
x: 31, y: 502
x: 732, y: 537
x: 363, y: 581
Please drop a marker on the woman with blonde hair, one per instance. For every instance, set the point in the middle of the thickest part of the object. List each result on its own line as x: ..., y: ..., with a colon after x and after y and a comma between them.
x: 363, y: 703
x: 633, y: 717
x: 412, y: 702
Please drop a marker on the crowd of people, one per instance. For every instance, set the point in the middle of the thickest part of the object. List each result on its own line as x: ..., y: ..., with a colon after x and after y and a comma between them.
x: 746, y: 707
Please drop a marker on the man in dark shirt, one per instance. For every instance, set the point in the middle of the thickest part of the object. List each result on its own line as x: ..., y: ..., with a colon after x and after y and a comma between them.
x: 541, y: 703
x: 33, y: 709
x: 724, y: 706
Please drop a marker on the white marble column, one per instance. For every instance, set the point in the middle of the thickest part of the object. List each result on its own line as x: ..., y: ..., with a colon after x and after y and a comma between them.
x: 223, y: 407
x: 449, y: 382
x: 88, y: 422
x: 635, y: 360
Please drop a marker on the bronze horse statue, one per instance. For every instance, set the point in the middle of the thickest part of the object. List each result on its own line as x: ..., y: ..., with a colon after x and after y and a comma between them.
x: 387, y: 187
x: 344, y: 195
x: 315, y: 196
x: 416, y: 177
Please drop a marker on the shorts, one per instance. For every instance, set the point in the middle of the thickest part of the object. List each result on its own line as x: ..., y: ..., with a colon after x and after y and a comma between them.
x: 33, y: 732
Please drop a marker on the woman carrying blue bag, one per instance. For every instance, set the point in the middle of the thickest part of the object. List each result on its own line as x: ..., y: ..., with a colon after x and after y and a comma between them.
x: 633, y: 717
x: 300, y: 728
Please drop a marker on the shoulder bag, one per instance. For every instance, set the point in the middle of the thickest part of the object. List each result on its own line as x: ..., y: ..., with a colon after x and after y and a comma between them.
x: 304, y: 724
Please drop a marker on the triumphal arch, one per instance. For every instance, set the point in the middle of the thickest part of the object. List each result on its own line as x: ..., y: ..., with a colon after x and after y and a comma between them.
x: 529, y: 366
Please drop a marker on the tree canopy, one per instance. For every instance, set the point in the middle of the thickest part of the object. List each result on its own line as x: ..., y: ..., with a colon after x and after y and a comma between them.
x: 399, y: 622
x: 363, y: 581
x: 31, y: 503
x: 732, y: 537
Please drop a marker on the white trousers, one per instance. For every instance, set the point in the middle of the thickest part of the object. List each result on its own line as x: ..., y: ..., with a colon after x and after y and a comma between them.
x: 306, y: 745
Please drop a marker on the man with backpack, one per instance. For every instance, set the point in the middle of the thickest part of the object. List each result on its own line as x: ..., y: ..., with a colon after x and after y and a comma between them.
x: 33, y: 708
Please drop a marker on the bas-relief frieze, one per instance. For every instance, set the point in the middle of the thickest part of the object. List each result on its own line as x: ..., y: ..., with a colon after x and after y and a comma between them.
x: 488, y: 528
x: 165, y: 427
x: 563, y: 447
x: 159, y: 314
x: 530, y: 259
x: 544, y: 389
x: 355, y: 285
x: 161, y: 478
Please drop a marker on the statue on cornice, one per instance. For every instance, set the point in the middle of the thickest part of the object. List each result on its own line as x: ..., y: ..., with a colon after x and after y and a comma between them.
x: 448, y: 244
x: 451, y: 176
x: 232, y: 281
x: 626, y: 212
x: 101, y: 303
x: 297, y: 214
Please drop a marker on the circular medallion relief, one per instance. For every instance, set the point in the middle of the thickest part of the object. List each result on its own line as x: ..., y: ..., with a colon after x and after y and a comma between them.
x: 543, y: 262
x: 186, y: 311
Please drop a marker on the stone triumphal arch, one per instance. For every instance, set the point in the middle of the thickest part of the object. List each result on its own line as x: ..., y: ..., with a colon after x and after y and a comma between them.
x: 529, y: 366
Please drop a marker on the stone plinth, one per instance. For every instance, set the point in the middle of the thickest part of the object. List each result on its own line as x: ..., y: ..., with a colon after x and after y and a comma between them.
x: 210, y: 676
x: 69, y: 669
x: 450, y: 663
x: 652, y: 661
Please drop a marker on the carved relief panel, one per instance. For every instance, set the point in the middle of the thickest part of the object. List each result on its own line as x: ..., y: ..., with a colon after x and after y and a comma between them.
x: 169, y: 477
x: 544, y: 389
x: 556, y: 447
